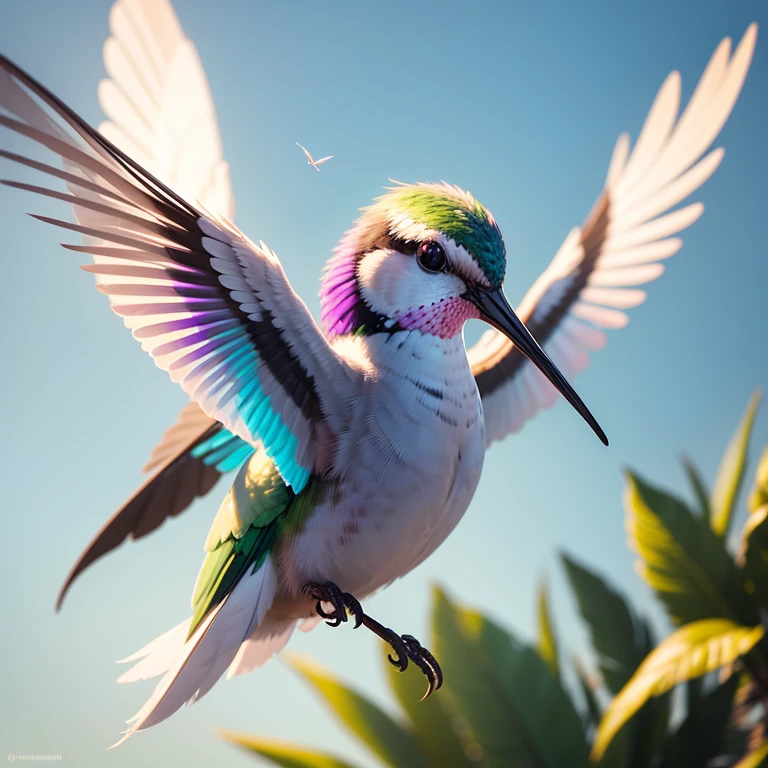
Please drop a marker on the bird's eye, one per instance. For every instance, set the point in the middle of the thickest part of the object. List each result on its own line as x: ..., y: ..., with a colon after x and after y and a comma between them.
x: 431, y: 256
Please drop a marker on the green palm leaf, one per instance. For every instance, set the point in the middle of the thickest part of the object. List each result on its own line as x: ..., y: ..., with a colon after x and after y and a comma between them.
x: 439, y: 728
x: 517, y: 709
x: 283, y: 754
x: 682, y: 559
x: 691, y: 651
x: 390, y: 741
x: 615, y: 634
x: 546, y: 644
x: 730, y: 474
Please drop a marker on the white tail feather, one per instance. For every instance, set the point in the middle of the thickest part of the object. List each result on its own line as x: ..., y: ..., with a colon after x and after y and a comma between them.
x: 264, y: 642
x: 200, y: 661
x: 157, y: 657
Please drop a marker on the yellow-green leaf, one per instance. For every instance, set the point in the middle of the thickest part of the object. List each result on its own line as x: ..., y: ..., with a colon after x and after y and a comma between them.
x: 682, y: 559
x: 756, y: 759
x: 759, y: 495
x: 282, y: 753
x: 392, y: 742
x: 517, y: 709
x: 441, y: 731
x: 546, y: 644
x: 691, y: 651
x: 730, y: 474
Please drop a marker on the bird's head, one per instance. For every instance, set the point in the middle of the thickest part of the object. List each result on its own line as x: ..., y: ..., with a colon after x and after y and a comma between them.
x: 427, y: 257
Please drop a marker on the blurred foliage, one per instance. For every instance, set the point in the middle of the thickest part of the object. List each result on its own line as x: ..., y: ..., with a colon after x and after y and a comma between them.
x: 511, y: 704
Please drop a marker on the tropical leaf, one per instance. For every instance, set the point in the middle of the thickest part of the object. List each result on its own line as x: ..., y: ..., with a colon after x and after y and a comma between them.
x: 589, y: 687
x: 699, y: 737
x: 691, y: 651
x: 546, y: 644
x: 391, y: 742
x: 616, y: 636
x: 753, y: 554
x: 282, y: 753
x: 759, y: 496
x: 517, y: 709
x: 441, y: 731
x: 755, y: 759
x: 699, y: 487
x: 682, y: 559
x: 730, y: 474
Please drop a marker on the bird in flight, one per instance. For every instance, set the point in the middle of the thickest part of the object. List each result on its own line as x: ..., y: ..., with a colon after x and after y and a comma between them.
x: 359, y: 442
x: 310, y: 161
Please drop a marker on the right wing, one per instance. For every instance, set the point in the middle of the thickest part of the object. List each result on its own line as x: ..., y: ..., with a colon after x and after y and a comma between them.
x: 596, y: 273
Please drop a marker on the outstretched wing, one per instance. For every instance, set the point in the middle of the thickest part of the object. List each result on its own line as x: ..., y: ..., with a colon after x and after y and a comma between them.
x: 212, y: 308
x: 303, y: 149
x: 322, y: 160
x: 629, y: 232
x: 162, y: 116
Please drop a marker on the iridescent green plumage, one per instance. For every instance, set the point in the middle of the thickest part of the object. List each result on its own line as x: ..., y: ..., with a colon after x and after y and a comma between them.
x: 458, y: 215
x: 248, y: 524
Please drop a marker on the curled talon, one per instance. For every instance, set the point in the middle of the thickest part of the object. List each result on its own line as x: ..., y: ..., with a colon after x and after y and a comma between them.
x: 426, y: 662
x: 354, y: 607
x: 400, y: 648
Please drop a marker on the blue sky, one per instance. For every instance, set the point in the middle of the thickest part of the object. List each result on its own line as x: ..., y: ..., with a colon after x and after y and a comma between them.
x: 518, y: 102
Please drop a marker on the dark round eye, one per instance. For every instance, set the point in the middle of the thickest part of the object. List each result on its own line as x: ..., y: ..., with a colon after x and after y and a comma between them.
x: 431, y: 256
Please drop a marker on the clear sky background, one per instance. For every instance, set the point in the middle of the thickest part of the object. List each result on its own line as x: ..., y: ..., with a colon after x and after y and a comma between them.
x: 519, y: 102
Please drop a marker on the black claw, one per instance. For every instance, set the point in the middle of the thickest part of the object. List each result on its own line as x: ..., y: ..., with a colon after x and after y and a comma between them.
x: 341, y: 601
x: 400, y: 648
x: 426, y: 663
x: 353, y: 604
x: 406, y: 648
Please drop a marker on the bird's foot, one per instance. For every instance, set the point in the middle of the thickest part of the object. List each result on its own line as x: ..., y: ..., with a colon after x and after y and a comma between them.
x: 406, y: 647
x: 341, y: 602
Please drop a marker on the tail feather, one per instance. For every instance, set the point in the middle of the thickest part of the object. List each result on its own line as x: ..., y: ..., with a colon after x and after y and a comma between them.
x: 200, y: 661
x: 264, y: 642
x: 157, y: 657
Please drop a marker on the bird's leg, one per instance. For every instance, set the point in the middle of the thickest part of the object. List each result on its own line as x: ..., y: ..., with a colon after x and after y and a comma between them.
x: 405, y: 647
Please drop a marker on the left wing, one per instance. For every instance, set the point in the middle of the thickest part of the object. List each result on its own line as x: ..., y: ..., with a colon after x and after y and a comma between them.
x: 629, y: 231
x: 322, y: 160
x: 306, y: 154
x: 212, y: 308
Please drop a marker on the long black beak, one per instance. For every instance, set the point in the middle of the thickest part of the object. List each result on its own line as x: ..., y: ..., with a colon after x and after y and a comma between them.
x: 495, y: 310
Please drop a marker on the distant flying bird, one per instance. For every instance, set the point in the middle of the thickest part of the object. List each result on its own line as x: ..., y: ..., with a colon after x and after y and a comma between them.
x: 360, y: 444
x: 310, y: 161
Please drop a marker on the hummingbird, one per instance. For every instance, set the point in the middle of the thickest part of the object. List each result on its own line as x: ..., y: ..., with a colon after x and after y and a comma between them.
x: 359, y: 443
x: 314, y: 163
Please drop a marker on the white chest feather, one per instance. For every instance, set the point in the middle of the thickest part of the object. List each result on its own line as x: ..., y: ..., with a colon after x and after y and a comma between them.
x: 410, y: 464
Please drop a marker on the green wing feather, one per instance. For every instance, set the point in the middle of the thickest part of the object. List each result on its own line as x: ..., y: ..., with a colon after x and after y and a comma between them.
x: 245, y: 530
